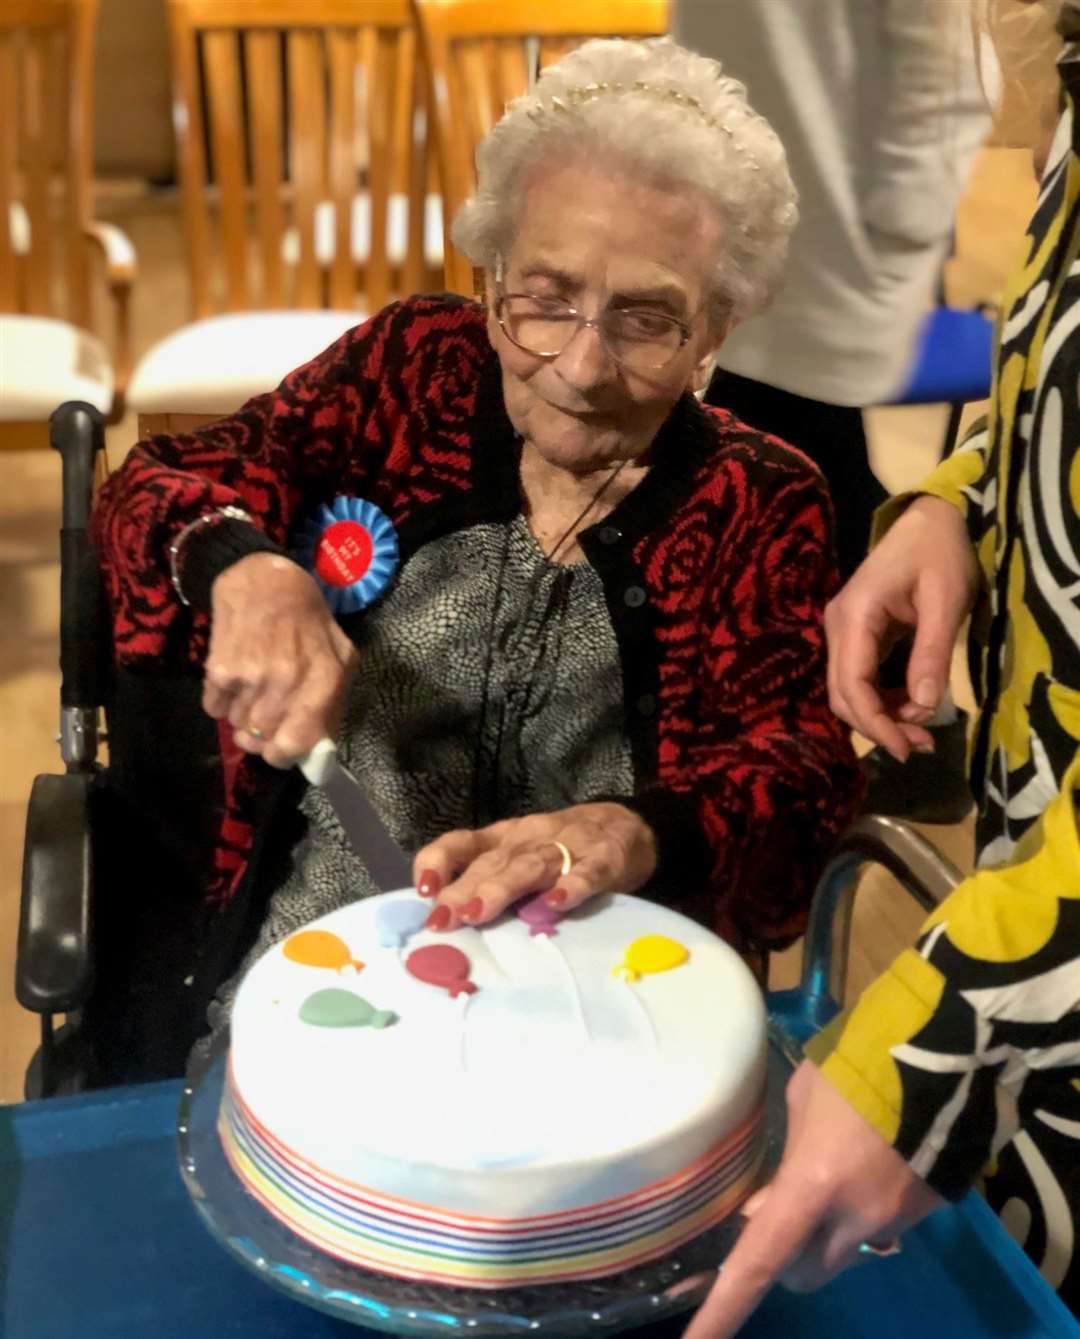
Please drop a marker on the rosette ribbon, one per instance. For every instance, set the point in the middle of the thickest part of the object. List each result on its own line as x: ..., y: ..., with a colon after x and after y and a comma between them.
x: 351, y: 550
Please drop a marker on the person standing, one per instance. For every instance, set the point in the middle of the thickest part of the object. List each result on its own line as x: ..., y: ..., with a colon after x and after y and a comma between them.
x: 879, y: 107
x: 960, y: 1065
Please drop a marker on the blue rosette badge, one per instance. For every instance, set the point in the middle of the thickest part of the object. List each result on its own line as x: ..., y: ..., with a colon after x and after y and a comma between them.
x: 351, y: 550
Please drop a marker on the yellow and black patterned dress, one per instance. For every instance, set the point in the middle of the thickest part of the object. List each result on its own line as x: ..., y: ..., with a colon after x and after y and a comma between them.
x: 965, y: 1055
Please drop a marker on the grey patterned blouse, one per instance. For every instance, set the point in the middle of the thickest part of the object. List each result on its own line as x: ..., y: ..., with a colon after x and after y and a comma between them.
x: 489, y: 687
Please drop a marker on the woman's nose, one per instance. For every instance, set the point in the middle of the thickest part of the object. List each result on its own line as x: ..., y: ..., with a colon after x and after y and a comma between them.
x: 585, y: 362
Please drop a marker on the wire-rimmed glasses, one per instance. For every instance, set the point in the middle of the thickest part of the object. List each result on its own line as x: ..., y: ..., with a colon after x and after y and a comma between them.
x: 640, y: 338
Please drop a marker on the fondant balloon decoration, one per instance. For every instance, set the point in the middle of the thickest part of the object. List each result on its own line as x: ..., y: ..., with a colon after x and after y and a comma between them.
x: 539, y: 915
x: 396, y: 922
x: 320, y: 948
x: 341, y: 1008
x: 651, y: 953
x: 441, y: 965
x: 351, y: 550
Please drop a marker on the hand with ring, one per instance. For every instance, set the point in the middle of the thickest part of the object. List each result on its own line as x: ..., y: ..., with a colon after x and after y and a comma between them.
x: 571, y: 855
x: 278, y: 664
x: 840, y: 1196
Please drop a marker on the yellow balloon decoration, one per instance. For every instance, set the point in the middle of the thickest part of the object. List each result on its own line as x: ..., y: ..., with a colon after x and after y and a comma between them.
x: 320, y: 948
x: 651, y: 953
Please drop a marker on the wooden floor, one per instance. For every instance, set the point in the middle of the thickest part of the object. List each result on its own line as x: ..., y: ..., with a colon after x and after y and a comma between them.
x: 903, y: 443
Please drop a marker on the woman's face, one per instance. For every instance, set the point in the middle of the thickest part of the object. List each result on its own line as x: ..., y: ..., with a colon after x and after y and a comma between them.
x: 602, y: 241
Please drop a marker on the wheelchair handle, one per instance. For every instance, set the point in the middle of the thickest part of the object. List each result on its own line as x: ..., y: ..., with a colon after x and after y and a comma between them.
x: 77, y: 432
x: 926, y: 874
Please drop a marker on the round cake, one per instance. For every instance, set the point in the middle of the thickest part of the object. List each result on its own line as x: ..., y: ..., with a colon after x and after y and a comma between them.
x: 538, y: 1099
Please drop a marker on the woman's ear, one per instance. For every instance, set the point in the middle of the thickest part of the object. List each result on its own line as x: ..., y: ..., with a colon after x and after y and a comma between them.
x: 702, y: 373
x: 706, y: 363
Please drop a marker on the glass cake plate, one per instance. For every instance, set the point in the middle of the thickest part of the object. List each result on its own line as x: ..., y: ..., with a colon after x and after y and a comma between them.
x: 639, y: 1296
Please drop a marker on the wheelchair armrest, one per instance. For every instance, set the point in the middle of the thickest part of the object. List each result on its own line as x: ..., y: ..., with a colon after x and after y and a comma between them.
x: 926, y: 874
x: 53, y: 964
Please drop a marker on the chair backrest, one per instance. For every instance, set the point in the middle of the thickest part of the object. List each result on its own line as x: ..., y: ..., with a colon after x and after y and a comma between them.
x: 288, y: 114
x: 483, y: 53
x: 46, y: 91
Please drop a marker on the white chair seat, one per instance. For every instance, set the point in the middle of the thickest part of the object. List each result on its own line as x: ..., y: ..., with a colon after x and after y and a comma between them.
x: 45, y: 362
x: 397, y: 232
x: 213, y: 366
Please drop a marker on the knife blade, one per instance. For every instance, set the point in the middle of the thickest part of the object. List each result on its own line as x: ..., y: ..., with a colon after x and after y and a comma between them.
x: 367, y: 833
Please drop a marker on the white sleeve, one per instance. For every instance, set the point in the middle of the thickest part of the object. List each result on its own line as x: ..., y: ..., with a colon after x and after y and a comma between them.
x: 929, y: 119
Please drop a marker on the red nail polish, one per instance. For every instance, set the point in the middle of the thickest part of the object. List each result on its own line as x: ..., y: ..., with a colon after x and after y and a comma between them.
x: 556, y: 897
x: 429, y: 883
x: 438, y: 920
x: 472, y: 910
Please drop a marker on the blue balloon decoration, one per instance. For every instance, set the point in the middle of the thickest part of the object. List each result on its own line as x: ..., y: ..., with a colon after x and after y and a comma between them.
x: 396, y: 922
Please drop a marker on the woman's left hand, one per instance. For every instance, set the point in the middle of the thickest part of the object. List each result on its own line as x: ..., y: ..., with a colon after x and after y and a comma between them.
x: 474, y: 875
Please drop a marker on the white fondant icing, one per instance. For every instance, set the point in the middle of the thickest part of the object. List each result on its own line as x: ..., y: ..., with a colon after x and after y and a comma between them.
x: 564, y: 1100
x: 571, y: 983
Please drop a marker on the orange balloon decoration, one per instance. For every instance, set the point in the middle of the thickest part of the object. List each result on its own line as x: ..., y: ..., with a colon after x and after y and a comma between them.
x: 320, y: 948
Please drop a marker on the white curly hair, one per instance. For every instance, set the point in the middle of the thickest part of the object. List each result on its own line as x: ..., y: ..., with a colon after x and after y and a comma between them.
x: 655, y: 110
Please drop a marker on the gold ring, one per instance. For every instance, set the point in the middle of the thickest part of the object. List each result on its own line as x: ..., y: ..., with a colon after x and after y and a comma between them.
x: 567, y: 859
x: 254, y: 732
x: 882, y: 1250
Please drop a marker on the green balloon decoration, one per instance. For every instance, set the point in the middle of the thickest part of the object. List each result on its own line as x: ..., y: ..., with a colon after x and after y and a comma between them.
x: 341, y: 1008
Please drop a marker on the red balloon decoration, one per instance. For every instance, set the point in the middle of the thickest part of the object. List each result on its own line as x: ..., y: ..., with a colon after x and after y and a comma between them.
x: 441, y: 965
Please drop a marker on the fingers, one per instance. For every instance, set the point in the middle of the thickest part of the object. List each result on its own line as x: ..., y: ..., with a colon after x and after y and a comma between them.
x: 831, y: 1249
x: 853, y: 692
x: 495, y: 879
x: 441, y: 861
x: 771, y: 1242
x: 311, y: 711
x: 940, y: 617
x: 923, y: 576
x: 280, y: 706
x: 475, y: 876
x: 278, y: 664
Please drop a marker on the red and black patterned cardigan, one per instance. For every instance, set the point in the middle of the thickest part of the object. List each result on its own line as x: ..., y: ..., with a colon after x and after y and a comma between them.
x: 716, y: 569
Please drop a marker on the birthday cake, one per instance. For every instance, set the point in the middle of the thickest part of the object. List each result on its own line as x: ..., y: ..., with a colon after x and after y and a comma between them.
x: 535, y: 1100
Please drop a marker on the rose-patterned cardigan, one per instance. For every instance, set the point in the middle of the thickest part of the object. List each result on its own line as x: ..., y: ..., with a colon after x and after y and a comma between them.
x: 715, y: 568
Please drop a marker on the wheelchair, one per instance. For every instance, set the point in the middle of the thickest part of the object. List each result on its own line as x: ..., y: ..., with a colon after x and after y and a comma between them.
x: 112, y: 919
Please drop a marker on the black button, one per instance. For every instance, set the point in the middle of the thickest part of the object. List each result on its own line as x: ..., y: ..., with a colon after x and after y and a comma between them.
x: 609, y: 534
x: 646, y: 705
x: 634, y: 597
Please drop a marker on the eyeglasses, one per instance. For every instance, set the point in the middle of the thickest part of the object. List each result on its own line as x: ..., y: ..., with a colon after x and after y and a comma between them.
x: 641, y: 339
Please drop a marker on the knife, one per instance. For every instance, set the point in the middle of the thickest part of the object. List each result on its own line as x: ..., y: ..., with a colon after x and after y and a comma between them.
x: 386, y: 862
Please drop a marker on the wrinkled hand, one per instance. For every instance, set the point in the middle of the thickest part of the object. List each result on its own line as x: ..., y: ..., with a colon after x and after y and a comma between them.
x: 474, y: 875
x: 922, y: 575
x: 839, y: 1184
x: 278, y: 664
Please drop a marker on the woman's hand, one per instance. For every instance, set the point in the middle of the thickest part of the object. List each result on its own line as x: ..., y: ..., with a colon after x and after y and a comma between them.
x: 922, y: 575
x: 475, y: 875
x: 839, y: 1184
x: 278, y: 664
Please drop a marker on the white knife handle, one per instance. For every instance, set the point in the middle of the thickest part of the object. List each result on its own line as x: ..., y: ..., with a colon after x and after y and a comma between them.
x: 317, y: 763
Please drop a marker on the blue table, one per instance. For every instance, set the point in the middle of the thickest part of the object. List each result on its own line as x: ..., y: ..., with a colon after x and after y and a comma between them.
x: 98, y: 1240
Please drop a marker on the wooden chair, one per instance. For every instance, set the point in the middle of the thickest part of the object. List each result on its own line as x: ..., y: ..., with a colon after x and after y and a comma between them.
x: 48, y: 349
x: 294, y: 123
x: 483, y: 53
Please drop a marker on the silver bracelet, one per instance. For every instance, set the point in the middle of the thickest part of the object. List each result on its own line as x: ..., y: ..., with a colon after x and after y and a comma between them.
x: 176, y: 548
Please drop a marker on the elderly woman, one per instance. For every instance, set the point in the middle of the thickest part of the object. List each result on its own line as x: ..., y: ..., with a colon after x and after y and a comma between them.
x: 605, y: 633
